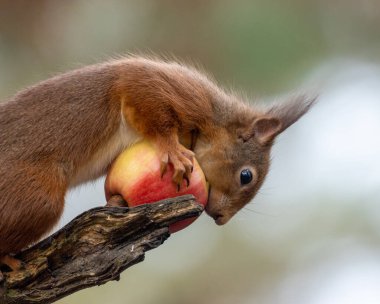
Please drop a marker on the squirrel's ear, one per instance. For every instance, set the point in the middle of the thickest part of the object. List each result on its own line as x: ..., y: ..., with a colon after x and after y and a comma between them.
x: 265, y: 129
x: 289, y: 112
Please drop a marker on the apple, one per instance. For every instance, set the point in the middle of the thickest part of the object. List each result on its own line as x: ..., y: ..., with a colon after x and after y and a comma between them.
x: 135, y: 175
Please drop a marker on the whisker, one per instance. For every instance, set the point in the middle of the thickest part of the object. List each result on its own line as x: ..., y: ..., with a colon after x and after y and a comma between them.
x: 266, y: 190
x: 258, y: 212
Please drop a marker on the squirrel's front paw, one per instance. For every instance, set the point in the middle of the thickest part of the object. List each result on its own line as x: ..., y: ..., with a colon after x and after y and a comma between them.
x: 182, y: 161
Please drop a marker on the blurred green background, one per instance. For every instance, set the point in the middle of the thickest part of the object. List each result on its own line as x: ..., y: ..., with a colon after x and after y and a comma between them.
x: 312, y: 235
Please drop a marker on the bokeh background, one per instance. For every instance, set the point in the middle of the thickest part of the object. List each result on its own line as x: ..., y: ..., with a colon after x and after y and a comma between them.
x: 312, y: 235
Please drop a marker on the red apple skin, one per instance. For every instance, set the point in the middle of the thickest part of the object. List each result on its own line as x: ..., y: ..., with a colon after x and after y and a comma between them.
x: 135, y: 175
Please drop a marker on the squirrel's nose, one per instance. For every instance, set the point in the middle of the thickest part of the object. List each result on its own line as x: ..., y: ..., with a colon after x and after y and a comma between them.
x: 219, y: 219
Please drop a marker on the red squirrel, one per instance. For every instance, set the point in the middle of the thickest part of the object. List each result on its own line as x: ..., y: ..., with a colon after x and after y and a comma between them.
x: 66, y: 131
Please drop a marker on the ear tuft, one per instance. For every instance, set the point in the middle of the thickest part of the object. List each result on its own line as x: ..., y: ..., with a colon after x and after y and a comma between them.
x: 266, y: 128
x: 289, y: 112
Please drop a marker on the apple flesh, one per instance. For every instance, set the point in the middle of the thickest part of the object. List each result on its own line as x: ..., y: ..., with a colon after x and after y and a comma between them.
x: 135, y: 175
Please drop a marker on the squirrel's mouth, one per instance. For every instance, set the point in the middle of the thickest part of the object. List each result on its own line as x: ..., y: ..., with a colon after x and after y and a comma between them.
x: 219, y: 219
x: 218, y: 216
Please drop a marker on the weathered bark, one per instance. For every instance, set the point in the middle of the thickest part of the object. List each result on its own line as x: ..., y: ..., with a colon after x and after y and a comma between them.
x: 92, y: 249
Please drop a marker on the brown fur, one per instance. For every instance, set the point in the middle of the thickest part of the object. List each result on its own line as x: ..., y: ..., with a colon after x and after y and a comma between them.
x: 52, y: 133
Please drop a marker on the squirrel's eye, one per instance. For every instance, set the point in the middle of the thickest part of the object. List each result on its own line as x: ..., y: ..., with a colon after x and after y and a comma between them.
x: 245, y: 177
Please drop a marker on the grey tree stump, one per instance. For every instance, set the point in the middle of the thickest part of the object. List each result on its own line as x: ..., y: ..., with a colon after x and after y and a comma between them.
x: 92, y: 249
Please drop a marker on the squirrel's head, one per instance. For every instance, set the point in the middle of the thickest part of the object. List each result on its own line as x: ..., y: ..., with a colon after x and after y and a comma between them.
x: 236, y: 157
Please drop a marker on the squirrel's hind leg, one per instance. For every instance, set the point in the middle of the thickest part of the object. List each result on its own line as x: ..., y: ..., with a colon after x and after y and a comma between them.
x: 13, y: 263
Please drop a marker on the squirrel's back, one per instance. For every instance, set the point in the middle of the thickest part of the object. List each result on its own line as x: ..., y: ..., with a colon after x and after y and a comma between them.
x: 43, y: 119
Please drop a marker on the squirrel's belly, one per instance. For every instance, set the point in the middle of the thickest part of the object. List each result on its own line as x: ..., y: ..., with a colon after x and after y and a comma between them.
x: 97, y: 165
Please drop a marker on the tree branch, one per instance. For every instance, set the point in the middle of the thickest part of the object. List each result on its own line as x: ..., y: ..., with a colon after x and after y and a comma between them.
x: 92, y: 249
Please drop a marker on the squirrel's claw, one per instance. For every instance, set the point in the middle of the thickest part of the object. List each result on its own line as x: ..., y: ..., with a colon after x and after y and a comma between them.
x: 182, y: 161
x: 187, y: 181
x: 164, y: 163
